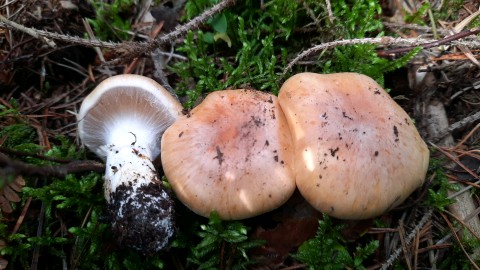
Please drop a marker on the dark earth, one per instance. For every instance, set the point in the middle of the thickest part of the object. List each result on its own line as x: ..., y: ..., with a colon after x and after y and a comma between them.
x: 145, y: 212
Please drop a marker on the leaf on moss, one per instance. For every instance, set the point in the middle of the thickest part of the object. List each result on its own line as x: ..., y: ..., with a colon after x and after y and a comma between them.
x: 223, y: 37
x: 8, y: 194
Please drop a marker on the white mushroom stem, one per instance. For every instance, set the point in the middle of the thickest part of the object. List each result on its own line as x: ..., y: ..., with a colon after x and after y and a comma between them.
x: 128, y: 165
x: 122, y: 120
x: 136, y: 197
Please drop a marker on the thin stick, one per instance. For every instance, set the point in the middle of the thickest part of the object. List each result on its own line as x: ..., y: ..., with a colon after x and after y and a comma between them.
x: 77, y: 166
x: 466, y: 33
x: 22, y: 216
x: 66, y: 38
x: 404, y: 245
x: 127, y: 50
x: 356, y: 41
x: 329, y: 11
x: 388, y: 263
x: 386, y: 41
x: 457, y: 238
x: 192, y: 24
x: 27, y: 30
x: 173, y: 35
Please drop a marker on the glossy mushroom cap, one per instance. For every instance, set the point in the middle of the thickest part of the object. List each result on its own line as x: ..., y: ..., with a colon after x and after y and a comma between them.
x: 231, y: 154
x: 122, y: 121
x: 357, y: 152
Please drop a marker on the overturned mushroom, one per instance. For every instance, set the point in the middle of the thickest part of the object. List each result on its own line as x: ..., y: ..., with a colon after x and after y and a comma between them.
x: 231, y: 154
x: 357, y: 153
x: 122, y: 121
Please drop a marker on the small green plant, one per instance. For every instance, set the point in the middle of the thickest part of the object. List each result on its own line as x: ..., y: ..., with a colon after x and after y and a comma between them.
x: 456, y: 259
x: 327, y: 250
x: 111, y: 22
x: 19, y: 136
x: 224, y: 245
x: 438, y: 193
x: 254, y: 57
x: 359, y: 19
x: 257, y: 43
x: 449, y: 10
x: 418, y: 17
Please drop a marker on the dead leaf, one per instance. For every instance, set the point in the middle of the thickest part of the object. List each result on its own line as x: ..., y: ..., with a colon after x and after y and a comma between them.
x: 17, y: 186
x: 286, y: 237
x: 3, y: 263
x: 291, y: 225
x: 10, y: 194
x: 5, y: 205
x: 68, y: 5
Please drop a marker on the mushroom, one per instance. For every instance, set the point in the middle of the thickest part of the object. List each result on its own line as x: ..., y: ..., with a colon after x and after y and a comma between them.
x: 231, y: 154
x: 357, y: 152
x: 122, y: 121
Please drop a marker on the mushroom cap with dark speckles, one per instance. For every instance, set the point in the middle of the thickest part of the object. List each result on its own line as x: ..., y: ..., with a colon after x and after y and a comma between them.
x: 231, y: 154
x: 357, y: 152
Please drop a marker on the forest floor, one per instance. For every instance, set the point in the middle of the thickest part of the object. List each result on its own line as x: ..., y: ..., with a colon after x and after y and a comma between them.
x: 51, y: 197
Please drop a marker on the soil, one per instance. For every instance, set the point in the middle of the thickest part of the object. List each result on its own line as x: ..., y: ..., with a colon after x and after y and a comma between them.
x: 142, y: 218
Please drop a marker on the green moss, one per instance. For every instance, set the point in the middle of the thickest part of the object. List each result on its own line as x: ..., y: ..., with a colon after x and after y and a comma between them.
x: 112, y: 20
x: 328, y: 249
x: 253, y: 59
x: 262, y: 39
x: 438, y: 193
x: 223, y: 245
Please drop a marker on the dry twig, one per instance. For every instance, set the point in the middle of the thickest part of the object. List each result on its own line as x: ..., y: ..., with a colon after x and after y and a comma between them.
x: 126, y: 50
x: 16, y: 167
x: 27, y: 30
x: 457, y: 125
x: 458, y: 239
x: 329, y: 11
x: 385, y: 41
x: 389, y: 262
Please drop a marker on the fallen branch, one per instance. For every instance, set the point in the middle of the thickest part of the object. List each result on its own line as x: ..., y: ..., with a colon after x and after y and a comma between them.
x: 126, y: 50
x: 446, y: 40
x: 15, y: 167
x: 17, y: 153
x: 385, y: 41
x: 394, y: 256
x: 27, y: 30
x: 455, y: 126
x: 170, y: 37
x: 65, y: 38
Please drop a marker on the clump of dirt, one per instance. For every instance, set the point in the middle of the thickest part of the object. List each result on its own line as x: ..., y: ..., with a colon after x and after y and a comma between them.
x: 142, y: 218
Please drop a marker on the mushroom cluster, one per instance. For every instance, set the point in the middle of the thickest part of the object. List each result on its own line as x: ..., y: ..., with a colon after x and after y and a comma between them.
x: 122, y: 121
x: 340, y: 138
